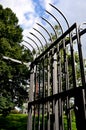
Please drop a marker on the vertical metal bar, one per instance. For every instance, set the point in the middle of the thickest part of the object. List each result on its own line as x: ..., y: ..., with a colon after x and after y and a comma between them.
x: 48, y: 71
x: 51, y: 90
x: 34, y: 118
x: 53, y: 102
x: 29, y: 124
x: 67, y: 99
x: 43, y: 95
x: 59, y: 77
x: 38, y: 116
x: 81, y: 66
x: 40, y: 82
x: 65, y: 69
x: 56, y: 125
x: 68, y: 114
x: 80, y: 110
x: 81, y: 97
x: 80, y: 57
x: 67, y: 77
x: 35, y: 81
x: 39, y: 71
x: 74, y: 79
x: 72, y: 61
x: 66, y: 84
x: 38, y: 85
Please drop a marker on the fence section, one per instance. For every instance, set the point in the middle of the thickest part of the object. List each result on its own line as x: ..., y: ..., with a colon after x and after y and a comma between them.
x: 57, y: 85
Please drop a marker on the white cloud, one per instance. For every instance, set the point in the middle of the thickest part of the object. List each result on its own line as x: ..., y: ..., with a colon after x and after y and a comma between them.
x: 73, y: 10
x: 26, y: 12
x: 20, y: 8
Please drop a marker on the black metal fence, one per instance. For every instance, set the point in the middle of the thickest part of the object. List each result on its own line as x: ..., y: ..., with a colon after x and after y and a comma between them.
x: 57, y: 85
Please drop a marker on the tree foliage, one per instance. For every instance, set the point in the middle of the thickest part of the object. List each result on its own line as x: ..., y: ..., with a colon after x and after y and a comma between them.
x: 13, y: 76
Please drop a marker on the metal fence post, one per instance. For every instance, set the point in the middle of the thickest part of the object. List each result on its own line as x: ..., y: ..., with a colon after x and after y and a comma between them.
x: 80, y: 110
x: 29, y: 123
x: 56, y: 124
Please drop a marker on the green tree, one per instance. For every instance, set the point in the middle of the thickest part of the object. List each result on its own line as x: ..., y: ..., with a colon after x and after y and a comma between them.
x: 13, y: 76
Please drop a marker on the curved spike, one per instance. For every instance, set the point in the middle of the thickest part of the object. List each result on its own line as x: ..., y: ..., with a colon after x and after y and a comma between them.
x: 37, y: 38
x: 45, y: 30
x: 60, y: 13
x: 56, y: 20
x: 27, y: 47
x: 41, y: 35
x: 34, y: 42
x: 29, y: 44
x: 50, y: 25
x: 29, y: 50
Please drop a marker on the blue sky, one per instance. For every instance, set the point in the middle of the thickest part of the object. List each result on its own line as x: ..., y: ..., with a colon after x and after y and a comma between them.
x: 29, y: 12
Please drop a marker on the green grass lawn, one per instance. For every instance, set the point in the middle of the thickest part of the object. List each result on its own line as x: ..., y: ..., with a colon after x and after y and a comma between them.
x: 13, y: 122
x: 19, y: 122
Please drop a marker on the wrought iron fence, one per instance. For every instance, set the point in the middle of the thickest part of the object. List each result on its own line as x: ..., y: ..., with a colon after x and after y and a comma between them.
x: 57, y: 85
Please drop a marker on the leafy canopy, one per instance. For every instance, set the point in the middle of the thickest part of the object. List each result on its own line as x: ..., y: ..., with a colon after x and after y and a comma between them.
x: 13, y: 76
